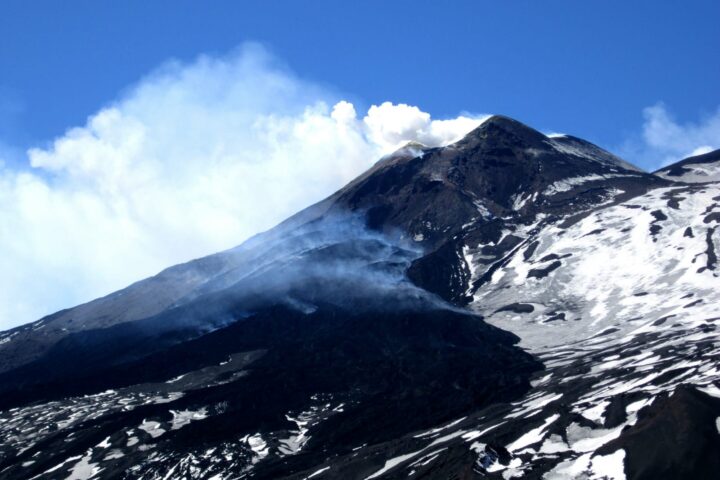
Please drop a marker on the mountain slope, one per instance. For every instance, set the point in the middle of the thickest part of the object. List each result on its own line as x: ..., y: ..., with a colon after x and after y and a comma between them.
x: 697, y: 169
x: 368, y: 335
x: 425, y: 196
x: 626, y: 326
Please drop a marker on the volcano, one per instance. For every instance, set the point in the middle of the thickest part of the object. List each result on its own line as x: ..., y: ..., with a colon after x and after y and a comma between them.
x: 513, y: 305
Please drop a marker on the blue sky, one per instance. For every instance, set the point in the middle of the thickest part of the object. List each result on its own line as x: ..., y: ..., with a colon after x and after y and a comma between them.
x: 137, y: 135
x: 586, y: 67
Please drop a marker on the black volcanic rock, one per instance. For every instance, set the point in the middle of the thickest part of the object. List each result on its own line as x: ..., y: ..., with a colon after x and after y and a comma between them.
x: 398, y: 370
x: 675, y: 437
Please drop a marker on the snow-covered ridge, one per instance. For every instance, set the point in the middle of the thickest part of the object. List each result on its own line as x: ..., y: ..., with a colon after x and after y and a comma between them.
x: 695, y: 173
x: 702, y: 168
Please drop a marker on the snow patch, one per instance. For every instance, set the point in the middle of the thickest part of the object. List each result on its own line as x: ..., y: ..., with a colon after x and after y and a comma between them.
x: 609, y: 466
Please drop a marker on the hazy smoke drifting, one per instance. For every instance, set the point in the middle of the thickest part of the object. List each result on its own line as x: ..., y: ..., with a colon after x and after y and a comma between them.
x: 665, y: 140
x: 193, y: 159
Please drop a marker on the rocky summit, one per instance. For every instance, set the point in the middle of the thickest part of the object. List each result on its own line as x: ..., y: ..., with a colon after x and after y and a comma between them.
x: 513, y: 305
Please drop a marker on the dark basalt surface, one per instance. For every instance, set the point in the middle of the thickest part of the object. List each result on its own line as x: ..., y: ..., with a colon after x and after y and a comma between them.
x: 675, y: 437
x: 544, y: 271
x: 517, y: 308
x: 398, y: 371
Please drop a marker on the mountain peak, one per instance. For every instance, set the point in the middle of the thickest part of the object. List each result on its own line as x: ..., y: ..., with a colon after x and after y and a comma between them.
x: 503, y: 129
x: 503, y: 121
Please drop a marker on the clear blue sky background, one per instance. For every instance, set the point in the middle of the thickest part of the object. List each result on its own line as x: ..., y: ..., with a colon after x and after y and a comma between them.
x: 584, y: 67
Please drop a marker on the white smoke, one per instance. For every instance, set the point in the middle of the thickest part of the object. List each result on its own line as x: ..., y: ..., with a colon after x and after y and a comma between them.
x: 665, y: 140
x: 194, y: 159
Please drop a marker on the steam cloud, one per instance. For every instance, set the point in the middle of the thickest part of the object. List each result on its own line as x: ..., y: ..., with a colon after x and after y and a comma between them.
x: 665, y: 141
x: 194, y: 159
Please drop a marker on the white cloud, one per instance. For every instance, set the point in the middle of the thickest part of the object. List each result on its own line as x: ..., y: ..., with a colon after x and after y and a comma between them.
x: 665, y: 141
x: 702, y: 150
x: 391, y: 125
x: 193, y: 159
